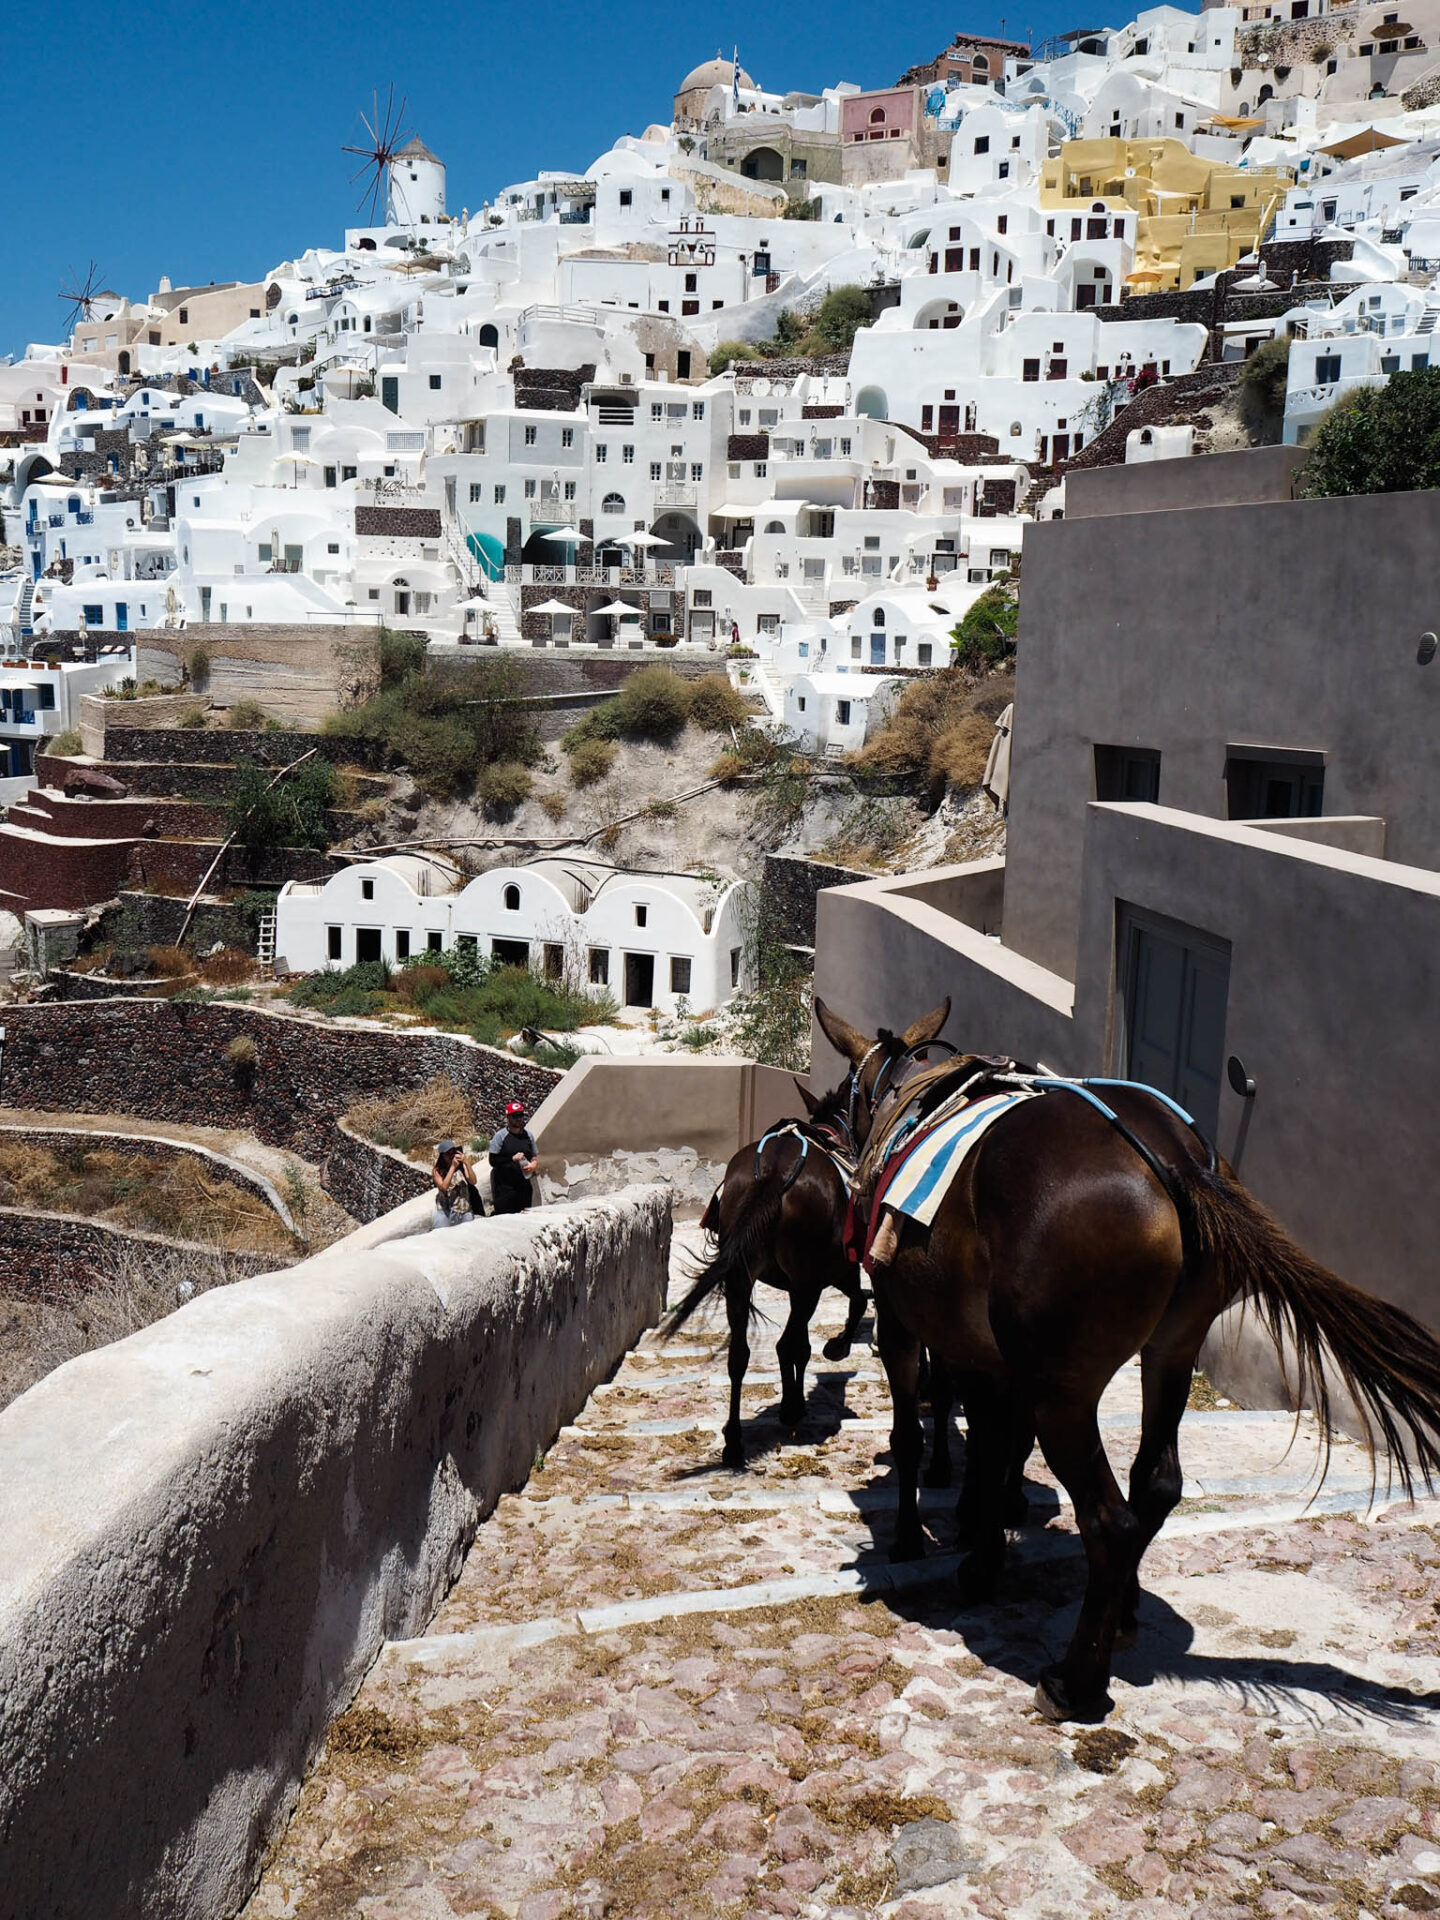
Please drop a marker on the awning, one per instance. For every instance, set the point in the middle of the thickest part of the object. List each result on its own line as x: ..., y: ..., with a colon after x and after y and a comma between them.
x: 732, y: 512
x: 1235, y: 121
x: 551, y: 607
x: 1368, y: 140
x: 1145, y: 273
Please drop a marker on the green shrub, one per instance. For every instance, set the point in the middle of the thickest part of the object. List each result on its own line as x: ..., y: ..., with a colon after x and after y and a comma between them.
x: 193, y: 717
x: 66, y: 743
x: 1263, y: 381
x: 654, y: 704
x: 602, y: 722
x: 291, y: 813
x: 716, y: 705
x: 730, y: 352
x: 1380, y: 440
x: 503, y: 788
x: 841, y: 314
x: 444, y: 728
x: 246, y: 716
x: 987, y: 632
x: 198, y: 668
x: 402, y: 656
x: 591, y: 760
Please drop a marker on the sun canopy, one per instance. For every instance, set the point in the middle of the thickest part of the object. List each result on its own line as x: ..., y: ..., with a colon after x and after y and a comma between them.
x: 618, y: 610
x: 551, y: 606
x: 1368, y: 140
x: 563, y: 533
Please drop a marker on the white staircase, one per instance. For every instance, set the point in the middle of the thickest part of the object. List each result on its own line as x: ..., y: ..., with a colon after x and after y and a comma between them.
x: 1427, y: 320
x: 27, y: 599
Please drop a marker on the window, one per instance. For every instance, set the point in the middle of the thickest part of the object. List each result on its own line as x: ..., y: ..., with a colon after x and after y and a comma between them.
x: 477, y: 492
x: 1273, y: 783
x: 332, y: 943
x: 657, y: 411
x: 697, y: 470
x: 347, y: 473
x: 642, y: 914
x: 95, y: 616
x: 367, y: 889
x: 529, y: 436
x: 511, y: 898
x: 1057, y: 370
x: 435, y: 383
x: 1327, y: 369
x: 569, y: 489
x: 602, y: 454
x: 529, y: 489
x: 761, y: 470
x: 332, y: 546
x: 657, y: 471
x: 627, y: 454
x: 567, y: 436
x: 500, y: 495
x: 734, y: 966
x: 679, y: 976
x: 1127, y: 773
x: 842, y: 713
x: 402, y: 943
x: 368, y: 945
x: 982, y: 143
x: 1002, y: 222
x: 626, y: 197
x: 692, y: 281
x: 697, y: 410
x: 923, y: 653
x: 434, y: 940
x: 1030, y: 370
x: 613, y: 503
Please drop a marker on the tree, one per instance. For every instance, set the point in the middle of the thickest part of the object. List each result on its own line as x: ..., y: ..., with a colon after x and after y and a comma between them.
x: 1380, y: 440
x: 987, y: 632
x: 843, y: 312
x: 289, y: 813
x: 1263, y: 381
x: 728, y: 352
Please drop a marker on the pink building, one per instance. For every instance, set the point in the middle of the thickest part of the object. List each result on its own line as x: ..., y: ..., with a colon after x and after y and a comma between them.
x: 893, y: 113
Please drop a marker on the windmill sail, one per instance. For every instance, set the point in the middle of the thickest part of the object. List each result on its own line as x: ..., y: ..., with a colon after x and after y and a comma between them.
x: 385, y: 131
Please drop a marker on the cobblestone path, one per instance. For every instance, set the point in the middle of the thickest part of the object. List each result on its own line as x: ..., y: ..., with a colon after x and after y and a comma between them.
x: 659, y: 1690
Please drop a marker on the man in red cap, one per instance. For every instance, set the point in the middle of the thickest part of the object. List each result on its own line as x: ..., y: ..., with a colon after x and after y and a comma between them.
x: 512, y: 1163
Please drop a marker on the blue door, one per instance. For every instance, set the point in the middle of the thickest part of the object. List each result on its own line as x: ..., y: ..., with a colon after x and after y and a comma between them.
x: 122, y: 617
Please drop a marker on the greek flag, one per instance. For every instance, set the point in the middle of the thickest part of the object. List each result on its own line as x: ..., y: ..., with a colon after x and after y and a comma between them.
x: 735, y: 79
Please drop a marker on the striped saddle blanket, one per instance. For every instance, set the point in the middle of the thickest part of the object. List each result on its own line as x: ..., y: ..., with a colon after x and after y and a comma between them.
x: 918, y: 1173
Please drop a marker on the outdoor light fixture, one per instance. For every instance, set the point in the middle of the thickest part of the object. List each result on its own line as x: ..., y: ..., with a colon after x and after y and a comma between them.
x: 1425, y: 652
x: 1239, y: 1079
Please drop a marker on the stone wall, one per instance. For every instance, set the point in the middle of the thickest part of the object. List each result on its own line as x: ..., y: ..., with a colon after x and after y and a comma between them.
x: 196, y: 746
x: 239, y: 1505
x: 368, y: 1180
x: 158, y: 710
x: 168, y: 1060
x: 789, y: 888
x: 155, y: 919
x: 55, y: 1256
x: 298, y: 673
x: 217, y: 1166
x: 1180, y: 401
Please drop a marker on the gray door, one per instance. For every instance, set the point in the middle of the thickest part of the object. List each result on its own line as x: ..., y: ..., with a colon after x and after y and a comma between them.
x: 1175, y: 1007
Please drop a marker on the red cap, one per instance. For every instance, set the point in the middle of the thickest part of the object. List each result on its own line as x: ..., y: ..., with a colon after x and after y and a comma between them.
x: 514, y: 1107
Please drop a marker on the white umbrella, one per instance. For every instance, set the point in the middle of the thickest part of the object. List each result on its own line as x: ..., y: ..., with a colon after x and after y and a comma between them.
x: 638, y: 540
x: 563, y: 533
x: 475, y: 600
x: 618, y: 610
x: 551, y: 607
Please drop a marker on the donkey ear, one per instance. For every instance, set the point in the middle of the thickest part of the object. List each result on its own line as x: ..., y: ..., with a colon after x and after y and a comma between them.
x: 841, y: 1035
x: 926, y: 1028
x: 812, y: 1100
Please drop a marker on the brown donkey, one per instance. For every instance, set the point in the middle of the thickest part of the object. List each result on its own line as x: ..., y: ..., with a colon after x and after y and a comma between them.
x: 1056, y: 1256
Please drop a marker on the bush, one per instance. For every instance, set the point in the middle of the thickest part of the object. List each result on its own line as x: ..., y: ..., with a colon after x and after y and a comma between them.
x: 241, y: 1053
x: 502, y: 789
x: 402, y: 656
x: 168, y: 962
x: 1380, y: 440
x: 554, y: 804
x: 715, y: 705
x: 654, y: 704
x: 730, y: 352
x: 416, y: 1120
x: 443, y: 728
x: 987, y: 632
x: 602, y: 722
x: 198, y: 669
x: 1263, y: 381
x: 67, y: 743
x: 729, y: 768
x: 292, y: 813
x: 246, y: 716
x: 938, y: 734
x: 193, y: 717
x: 842, y: 313
x: 591, y: 760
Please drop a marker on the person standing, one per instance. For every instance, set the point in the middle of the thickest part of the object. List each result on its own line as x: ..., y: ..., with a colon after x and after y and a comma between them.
x: 512, y: 1163
x: 457, y: 1198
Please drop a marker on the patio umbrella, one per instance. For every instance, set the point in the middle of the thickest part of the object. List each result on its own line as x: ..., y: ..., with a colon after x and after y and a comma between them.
x: 618, y: 610
x: 550, y: 607
x: 637, y: 540
x: 563, y: 533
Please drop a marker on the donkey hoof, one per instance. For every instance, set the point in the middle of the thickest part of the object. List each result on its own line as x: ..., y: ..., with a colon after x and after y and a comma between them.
x: 838, y: 1348
x: 908, y: 1546
x: 1053, y: 1699
x: 792, y: 1417
x: 732, y: 1456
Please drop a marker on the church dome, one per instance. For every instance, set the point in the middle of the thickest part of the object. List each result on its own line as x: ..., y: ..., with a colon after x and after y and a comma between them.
x: 713, y: 73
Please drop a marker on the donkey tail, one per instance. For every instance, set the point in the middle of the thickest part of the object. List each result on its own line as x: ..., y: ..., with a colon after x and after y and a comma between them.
x: 1388, y: 1361
x: 741, y: 1253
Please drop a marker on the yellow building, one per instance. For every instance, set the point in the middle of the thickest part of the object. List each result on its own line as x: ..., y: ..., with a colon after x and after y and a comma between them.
x: 1192, y: 216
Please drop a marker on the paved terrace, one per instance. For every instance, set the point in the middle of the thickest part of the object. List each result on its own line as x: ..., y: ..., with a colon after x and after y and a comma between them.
x: 661, y: 1690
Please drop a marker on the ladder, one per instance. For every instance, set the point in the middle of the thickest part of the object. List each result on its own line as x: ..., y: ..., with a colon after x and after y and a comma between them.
x: 265, y: 942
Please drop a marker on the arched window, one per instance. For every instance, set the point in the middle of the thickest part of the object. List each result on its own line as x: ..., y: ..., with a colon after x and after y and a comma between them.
x: 1147, y: 438
x: 980, y: 64
x: 1266, y: 93
x: 613, y: 503
x: 877, y: 116
x: 512, y: 898
x: 871, y: 401
x: 877, y: 618
x: 774, y: 526
x: 123, y: 363
x: 489, y: 336
x: 1097, y: 206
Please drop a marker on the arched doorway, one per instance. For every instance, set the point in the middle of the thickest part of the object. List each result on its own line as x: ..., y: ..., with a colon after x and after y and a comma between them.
x: 489, y: 335
x: 872, y: 403
x: 681, y: 534
x: 122, y: 361
x: 763, y: 163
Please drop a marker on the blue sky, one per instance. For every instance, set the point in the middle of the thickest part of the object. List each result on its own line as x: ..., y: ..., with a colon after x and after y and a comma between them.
x: 204, y: 141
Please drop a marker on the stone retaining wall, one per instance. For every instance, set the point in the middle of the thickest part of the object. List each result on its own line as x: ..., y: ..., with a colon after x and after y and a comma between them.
x: 198, y: 746
x: 217, y: 1165
x: 56, y: 1256
x: 168, y: 1060
x: 368, y: 1180
x: 789, y: 888
x: 208, y: 1530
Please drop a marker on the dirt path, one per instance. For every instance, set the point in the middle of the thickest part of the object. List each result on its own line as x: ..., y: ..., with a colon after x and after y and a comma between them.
x: 659, y: 1690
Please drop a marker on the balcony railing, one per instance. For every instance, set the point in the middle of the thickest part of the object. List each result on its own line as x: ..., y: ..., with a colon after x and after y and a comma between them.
x: 678, y: 494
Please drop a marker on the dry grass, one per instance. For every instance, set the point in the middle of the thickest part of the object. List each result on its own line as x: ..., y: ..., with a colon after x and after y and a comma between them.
x: 143, y: 1285
x: 228, y: 968
x: 414, y: 1120
x: 169, y: 962
x: 182, y: 1197
x: 940, y: 730
x: 553, y: 804
x: 590, y: 761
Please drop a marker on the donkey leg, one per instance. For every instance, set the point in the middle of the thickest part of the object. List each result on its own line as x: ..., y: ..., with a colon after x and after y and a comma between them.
x: 1019, y: 1444
x: 737, y: 1312
x: 1075, y: 1688
x: 839, y: 1347
x: 1155, y: 1477
x: 793, y: 1351
x: 941, y: 1471
x: 900, y: 1356
x: 982, y: 1505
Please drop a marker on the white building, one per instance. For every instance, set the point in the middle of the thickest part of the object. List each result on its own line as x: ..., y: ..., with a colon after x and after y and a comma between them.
x: 41, y: 699
x: 652, y: 940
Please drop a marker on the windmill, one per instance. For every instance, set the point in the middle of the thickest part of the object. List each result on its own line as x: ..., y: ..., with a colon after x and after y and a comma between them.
x: 81, y: 296
x: 386, y: 131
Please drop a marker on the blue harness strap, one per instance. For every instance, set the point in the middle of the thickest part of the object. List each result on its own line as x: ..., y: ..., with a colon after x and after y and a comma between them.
x: 1136, y: 1086
x: 787, y: 1129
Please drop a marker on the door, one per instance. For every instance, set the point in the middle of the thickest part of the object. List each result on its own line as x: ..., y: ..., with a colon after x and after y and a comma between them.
x: 122, y: 617
x: 1177, y: 984
x: 639, y: 979
x: 949, y: 422
x: 1061, y: 447
x: 390, y: 392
